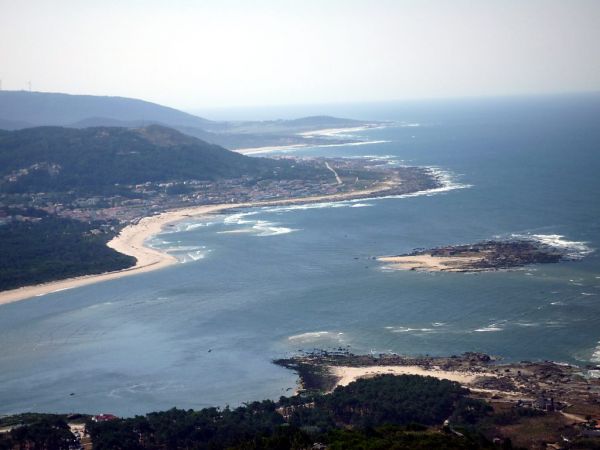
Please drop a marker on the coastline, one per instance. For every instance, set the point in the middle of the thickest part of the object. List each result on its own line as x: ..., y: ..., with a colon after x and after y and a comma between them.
x: 270, y: 149
x: 131, y: 241
x: 327, y: 132
x: 531, y: 383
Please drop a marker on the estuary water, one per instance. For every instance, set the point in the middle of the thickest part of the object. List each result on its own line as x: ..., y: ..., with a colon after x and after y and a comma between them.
x: 258, y: 284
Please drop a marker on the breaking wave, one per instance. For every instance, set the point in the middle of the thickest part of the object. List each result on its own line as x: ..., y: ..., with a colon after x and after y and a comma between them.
x: 493, y: 327
x: 187, y: 253
x: 316, y: 335
x: 409, y: 330
x: 596, y: 355
x: 571, y: 249
x: 447, y: 182
x: 256, y: 227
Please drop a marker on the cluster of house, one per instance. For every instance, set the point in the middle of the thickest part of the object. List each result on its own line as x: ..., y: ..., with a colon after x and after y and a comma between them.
x: 542, y: 403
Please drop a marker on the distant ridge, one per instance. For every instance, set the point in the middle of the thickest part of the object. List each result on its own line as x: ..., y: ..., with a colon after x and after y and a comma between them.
x: 44, y: 108
x: 24, y: 109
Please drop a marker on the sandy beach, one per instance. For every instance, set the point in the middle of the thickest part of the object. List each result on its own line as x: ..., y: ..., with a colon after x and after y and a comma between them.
x: 347, y: 374
x: 267, y: 149
x: 131, y: 241
x: 332, y: 132
x: 263, y: 150
x: 327, y: 132
x: 429, y: 263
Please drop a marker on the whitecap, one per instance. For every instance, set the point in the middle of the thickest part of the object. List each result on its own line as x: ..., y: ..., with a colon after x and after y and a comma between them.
x: 446, y: 180
x: 238, y: 218
x: 261, y: 228
x: 196, y: 255
x: 184, y: 248
x: 409, y: 330
x: 309, y: 335
x: 193, y: 226
x: 264, y: 228
x: 572, y: 249
x: 307, y: 206
x: 596, y: 355
x: 240, y: 230
x: 488, y: 329
x: 491, y: 328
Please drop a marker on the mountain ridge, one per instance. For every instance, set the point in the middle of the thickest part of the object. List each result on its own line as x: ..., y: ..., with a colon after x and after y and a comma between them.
x: 24, y: 109
x: 93, y: 159
x: 51, y: 108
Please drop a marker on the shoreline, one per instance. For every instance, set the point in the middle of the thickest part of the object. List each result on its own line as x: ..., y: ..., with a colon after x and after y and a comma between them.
x: 270, y: 149
x: 326, y: 132
x: 131, y: 241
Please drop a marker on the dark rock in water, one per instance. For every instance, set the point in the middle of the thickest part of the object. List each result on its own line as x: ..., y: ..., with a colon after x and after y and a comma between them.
x: 481, y: 256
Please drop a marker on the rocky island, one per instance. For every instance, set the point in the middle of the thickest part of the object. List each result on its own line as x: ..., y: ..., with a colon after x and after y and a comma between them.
x: 479, y: 257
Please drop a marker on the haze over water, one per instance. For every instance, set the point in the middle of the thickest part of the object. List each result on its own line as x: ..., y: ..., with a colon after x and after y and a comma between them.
x: 258, y: 284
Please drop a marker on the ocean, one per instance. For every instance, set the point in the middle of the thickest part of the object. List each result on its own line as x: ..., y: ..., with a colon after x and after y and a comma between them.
x: 258, y: 284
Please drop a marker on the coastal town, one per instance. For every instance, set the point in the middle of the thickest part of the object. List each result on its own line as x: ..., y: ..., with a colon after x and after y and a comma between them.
x: 122, y: 223
x: 331, y: 176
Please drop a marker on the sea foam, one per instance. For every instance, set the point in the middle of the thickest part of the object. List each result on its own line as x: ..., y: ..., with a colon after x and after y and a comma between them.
x: 447, y: 181
x: 316, y: 335
x: 571, y: 249
x: 409, y: 330
x: 256, y: 227
x: 596, y: 355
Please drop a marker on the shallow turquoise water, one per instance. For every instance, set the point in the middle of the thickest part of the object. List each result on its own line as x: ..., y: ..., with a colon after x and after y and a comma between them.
x: 260, y: 285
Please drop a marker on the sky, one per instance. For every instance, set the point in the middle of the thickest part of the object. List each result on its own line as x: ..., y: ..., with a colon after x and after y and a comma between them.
x: 219, y: 53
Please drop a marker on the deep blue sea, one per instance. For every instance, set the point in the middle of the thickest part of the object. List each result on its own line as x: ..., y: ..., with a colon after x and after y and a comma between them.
x: 258, y: 284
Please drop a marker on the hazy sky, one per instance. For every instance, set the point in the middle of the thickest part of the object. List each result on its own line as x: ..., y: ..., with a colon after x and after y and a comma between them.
x: 211, y: 53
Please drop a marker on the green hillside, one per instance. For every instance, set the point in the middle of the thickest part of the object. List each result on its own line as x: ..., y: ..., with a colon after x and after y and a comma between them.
x: 95, y: 160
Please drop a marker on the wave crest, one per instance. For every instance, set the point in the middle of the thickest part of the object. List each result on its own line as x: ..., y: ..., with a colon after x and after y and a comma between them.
x: 571, y: 249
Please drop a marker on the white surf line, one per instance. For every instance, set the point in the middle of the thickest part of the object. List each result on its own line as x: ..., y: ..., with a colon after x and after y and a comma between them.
x: 337, y: 177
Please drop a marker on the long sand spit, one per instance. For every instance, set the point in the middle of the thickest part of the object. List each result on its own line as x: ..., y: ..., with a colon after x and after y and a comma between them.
x: 132, y: 241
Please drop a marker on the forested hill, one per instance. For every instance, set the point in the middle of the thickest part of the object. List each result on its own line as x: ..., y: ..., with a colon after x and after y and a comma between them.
x: 18, y: 108
x: 94, y: 160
